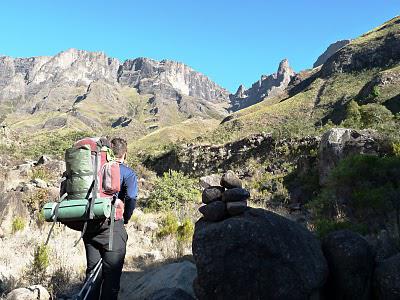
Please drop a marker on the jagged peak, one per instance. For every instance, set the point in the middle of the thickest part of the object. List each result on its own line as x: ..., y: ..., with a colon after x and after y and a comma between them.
x: 240, y: 91
x: 284, y: 67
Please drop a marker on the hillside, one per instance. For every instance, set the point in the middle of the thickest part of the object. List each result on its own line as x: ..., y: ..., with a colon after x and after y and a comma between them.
x: 365, y: 70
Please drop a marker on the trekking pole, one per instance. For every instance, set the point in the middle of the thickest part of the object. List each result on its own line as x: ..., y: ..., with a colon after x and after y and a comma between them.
x: 89, y: 281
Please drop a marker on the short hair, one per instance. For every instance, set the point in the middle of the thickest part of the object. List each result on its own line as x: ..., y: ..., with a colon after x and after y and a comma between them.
x: 119, y: 147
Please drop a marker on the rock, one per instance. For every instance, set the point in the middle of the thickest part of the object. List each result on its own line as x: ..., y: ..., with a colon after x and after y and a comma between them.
x: 55, y: 123
x: 236, y: 208
x: 387, y: 279
x: 215, y: 211
x: 42, y: 160
x: 153, y: 255
x: 351, y: 264
x: 170, y: 294
x: 40, y: 183
x: 213, y: 193
x: 235, y: 195
x: 11, y: 206
x: 150, y: 226
x: 338, y: 143
x: 174, y: 276
x: 121, y: 122
x: 230, y: 180
x: 332, y: 49
x: 210, y: 180
x: 34, y: 292
x: 376, y: 49
x: 267, y: 86
x: 257, y: 255
x: 385, y: 247
x: 24, y: 169
x: 27, y: 187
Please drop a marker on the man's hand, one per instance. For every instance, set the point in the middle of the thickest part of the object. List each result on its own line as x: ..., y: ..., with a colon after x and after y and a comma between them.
x: 119, y: 210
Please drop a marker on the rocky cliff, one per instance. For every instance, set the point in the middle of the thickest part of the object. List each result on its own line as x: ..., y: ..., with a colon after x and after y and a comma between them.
x: 72, y: 77
x: 267, y: 86
x: 332, y: 49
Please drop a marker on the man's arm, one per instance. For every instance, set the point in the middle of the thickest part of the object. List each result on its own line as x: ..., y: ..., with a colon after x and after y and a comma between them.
x: 130, y: 198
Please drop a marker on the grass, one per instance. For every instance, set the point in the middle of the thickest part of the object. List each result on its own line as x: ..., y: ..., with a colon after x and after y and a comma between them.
x: 18, y: 224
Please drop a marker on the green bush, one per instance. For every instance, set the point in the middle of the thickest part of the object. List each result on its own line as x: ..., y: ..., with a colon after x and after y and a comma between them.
x: 41, y: 173
x: 375, y: 92
x: 172, y: 191
x: 373, y: 114
x: 54, y: 143
x: 36, y: 272
x: 368, y: 186
x: 185, y: 231
x: 353, y: 114
x: 18, y: 224
x: 324, y: 227
x: 396, y: 149
x: 169, y: 226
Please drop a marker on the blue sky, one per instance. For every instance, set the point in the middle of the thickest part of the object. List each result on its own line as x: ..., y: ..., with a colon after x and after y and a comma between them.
x: 230, y: 41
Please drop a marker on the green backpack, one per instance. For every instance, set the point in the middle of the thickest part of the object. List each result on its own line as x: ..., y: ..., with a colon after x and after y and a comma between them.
x: 88, y: 189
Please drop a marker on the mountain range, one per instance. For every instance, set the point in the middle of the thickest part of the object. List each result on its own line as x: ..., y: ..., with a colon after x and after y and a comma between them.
x: 82, y: 90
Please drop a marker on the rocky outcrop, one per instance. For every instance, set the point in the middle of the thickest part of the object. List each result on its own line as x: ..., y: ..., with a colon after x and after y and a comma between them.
x: 351, y: 263
x: 267, y: 86
x: 339, y: 143
x: 62, y: 82
x: 166, y: 282
x: 257, y: 255
x: 332, y: 49
x: 34, y: 292
x: 169, y: 79
x: 378, y: 48
x: 387, y: 279
x: 208, y: 159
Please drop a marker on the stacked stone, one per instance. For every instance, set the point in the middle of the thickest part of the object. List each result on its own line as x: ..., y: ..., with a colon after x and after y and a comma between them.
x: 224, y: 200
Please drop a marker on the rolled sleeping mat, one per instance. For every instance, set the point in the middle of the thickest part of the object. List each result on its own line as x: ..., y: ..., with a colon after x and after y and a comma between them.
x: 77, y: 210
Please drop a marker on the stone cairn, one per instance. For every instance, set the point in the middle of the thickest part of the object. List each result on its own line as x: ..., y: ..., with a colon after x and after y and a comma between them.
x: 224, y: 200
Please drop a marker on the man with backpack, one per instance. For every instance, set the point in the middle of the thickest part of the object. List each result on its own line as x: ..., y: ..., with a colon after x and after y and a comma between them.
x: 97, y: 235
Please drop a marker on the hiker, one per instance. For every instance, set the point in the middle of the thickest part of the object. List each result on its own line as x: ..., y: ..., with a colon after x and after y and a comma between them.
x: 96, y: 237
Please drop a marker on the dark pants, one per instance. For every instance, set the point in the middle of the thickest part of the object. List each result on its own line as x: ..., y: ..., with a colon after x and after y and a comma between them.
x: 96, y: 246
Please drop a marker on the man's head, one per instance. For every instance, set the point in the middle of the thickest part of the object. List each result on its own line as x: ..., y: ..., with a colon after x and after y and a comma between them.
x: 120, y: 147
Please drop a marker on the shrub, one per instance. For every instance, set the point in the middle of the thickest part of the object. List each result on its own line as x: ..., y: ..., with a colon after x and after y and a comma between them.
x: 373, y: 114
x: 18, y: 224
x: 396, y: 149
x: 36, y: 272
x: 172, y: 191
x: 169, y: 226
x: 60, y: 280
x: 366, y: 186
x: 35, y: 201
x: 185, y: 231
x: 375, y: 92
x: 52, y: 144
x: 41, y: 173
x: 353, y: 114
x: 324, y: 227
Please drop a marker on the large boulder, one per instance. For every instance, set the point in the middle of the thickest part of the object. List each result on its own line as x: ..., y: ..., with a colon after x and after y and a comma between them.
x: 351, y: 264
x: 170, y: 294
x: 338, y: 143
x: 12, y: 206
x: 257, y: 255
x: 387, y: 279
x: 34, y: 292
x: 161, y: 283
